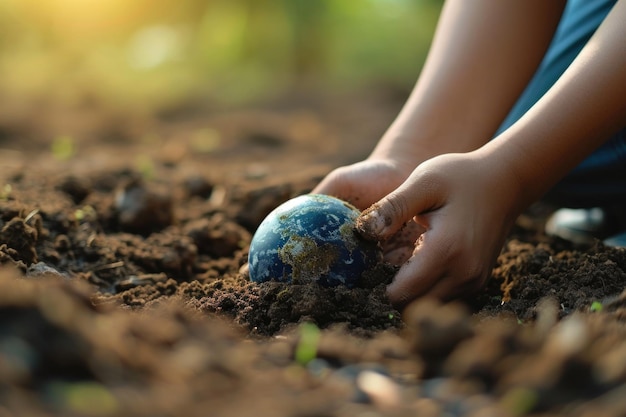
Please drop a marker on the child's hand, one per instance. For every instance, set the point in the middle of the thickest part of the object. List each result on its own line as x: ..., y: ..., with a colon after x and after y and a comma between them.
x: 467, y: 205
x: 366, y: 182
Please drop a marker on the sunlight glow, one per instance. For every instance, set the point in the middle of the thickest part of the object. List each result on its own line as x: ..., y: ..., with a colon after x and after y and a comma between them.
x: 154, y: 45
x: 69, y: 18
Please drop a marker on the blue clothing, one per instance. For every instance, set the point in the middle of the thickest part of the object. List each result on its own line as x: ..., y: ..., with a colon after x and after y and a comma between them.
x: 600, y: 179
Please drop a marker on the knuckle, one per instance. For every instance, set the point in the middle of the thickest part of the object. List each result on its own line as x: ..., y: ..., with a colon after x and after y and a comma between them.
x: 401, y: 297
x: 338, y: 175
x: 473, y: 275
x: 397, y: 207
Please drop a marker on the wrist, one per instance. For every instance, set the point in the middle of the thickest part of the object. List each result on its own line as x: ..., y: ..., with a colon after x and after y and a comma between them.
x: 505, y: 182
x: 400, y: 151
x: 407, y: 150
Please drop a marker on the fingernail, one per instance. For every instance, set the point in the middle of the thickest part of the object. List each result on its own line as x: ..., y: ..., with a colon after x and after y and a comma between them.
x: 371, y: 224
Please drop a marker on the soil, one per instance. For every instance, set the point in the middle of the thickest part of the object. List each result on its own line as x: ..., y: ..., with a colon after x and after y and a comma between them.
x: 122, y: 290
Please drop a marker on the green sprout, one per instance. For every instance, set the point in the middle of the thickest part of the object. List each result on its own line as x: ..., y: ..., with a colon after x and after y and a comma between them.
x: 390, y: 316
x: 63, y: 148
x: 520, y: 401
x: 306, y: 350
x: 145, y: 166
x: 6, y: 192
x: 596, y: 307
x: 205, y: 140
x: 87, y: 213
x: 84, y: 398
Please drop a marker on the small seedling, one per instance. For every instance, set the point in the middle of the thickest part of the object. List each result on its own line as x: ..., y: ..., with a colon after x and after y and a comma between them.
x: 306, y: 350
x: 82, y: 398
x: 145, y: 166
x: 596, y: 307
x: 87, y: 213
x: 205, y: 140
x: 519, y: 401
x: 63, y: 148
x: 6, y: 192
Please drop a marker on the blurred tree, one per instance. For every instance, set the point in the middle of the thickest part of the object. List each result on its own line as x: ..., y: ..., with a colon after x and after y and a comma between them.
x: 309, y: 21
x: 150, y: 52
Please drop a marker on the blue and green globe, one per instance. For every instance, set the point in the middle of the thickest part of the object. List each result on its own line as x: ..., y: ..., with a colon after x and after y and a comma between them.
x: 311, y: 238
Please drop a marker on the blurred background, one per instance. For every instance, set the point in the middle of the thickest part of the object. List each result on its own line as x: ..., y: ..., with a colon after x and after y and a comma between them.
x: 152, y: 53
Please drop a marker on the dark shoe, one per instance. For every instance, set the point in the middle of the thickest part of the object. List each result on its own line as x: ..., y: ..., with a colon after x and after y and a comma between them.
x: 583, y: 226
x: 617, y: 241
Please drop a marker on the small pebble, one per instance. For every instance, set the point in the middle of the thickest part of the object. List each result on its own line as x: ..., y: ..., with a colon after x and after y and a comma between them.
x: 382, y: 390
x: 198, y: 186
x: 427, y: 407
x: 42, y: 269
x: 143, y: 209
x: 319, y: 367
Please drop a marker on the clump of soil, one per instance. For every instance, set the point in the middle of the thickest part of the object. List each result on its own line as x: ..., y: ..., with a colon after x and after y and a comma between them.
x: 124, y: 292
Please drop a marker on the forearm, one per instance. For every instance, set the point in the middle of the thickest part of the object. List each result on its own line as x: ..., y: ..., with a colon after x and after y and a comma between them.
x: 483, y: 54
x: 581, y: 111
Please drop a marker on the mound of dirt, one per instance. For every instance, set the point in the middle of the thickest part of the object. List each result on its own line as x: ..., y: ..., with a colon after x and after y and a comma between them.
x: 122, y: 293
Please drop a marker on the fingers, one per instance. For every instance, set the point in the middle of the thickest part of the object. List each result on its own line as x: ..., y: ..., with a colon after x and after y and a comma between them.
x: 419, y: 274
x: 329, y: 185
x: 343, y: 184
x: 383, y: 219
x: 450, y: 288
x: 354, y: 184
x: 440, y: 267
x: 332, y: 187
x: 397, y: 256
x: 399, y: 248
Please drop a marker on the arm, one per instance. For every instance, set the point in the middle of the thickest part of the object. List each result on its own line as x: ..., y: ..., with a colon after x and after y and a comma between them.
x: 581, y: 110
x: 467, y: 202
x: 483, y: 54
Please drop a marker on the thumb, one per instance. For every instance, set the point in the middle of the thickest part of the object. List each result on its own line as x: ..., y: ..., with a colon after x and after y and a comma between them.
x: 384, y: 218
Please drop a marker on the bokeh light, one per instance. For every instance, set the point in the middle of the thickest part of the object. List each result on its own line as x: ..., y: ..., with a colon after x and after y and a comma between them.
x: 146, y: 53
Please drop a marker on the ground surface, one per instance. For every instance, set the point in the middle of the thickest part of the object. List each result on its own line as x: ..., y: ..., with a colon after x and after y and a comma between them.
x: 120, y: 290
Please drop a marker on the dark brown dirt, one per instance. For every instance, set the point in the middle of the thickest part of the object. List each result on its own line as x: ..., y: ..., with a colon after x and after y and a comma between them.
x: 122, y: 290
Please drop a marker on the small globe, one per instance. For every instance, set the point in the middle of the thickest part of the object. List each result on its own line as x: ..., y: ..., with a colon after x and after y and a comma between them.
x: 311, y: 238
